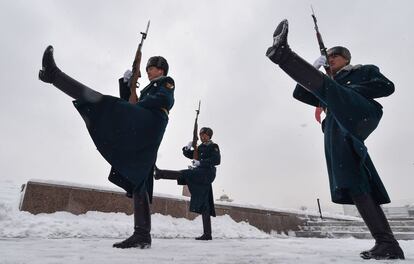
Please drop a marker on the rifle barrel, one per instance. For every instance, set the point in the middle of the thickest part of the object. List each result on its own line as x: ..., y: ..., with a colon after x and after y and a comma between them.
x: 144, y: 34
x: 198, y: 110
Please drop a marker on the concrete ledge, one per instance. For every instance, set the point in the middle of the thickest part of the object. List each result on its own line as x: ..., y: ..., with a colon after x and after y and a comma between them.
x: 45, y: 197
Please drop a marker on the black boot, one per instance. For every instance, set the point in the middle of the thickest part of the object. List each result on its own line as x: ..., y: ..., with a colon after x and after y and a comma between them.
x: 157, y: 173
x: 141, y: 238
x: 166, y: 174
x: 277, y: 52
x: 206, y: 227
x: 386, y: 246
x: 50, y: 73
x: 49, y: 69
x: 296, y: 67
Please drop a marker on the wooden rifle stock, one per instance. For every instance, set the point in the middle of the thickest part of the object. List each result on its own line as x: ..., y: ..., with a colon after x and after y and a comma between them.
x: 136, y: 72
x: 186, y: 191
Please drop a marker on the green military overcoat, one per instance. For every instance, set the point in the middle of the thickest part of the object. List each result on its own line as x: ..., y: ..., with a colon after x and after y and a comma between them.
x: 128, y: 135
x: 352, y: 115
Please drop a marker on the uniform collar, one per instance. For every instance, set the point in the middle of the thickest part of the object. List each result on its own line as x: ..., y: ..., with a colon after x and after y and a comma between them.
x: 208, y: 142
x: 151, y: 83
x: 348, y: 68
x: 158, y: 78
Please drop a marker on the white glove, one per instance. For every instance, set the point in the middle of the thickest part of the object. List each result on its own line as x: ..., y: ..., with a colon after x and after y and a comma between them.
x: 195, y: 163
x: 321, y: 61
x: 127, y: 75
x: 189, y: 145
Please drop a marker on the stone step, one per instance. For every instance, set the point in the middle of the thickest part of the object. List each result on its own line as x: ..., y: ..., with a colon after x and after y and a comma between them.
x: 353, y: 228
x: 359, y: 235
x: 400, y: 218
x: 356, y: 223
x: 335, y: 223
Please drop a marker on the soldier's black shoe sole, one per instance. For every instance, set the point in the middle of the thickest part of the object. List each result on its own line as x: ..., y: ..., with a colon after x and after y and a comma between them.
x: 135, y: 241
x: 383, y: 251
x: 279, y: 41
x: 135, y: 245
x: 204, y: 237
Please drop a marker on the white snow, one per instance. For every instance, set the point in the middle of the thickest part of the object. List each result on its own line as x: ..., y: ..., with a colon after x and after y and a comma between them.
x: 251, y: 206
x: 66, y: 238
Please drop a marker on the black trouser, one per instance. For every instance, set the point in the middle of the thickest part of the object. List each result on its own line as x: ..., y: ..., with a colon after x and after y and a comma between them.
x: 142, y: 214
x: 206, y: 223
x: 75, y: 89
x: 167, y: 174
x: 374, y: 218
x: 386, y: 246
x: 142, y: 223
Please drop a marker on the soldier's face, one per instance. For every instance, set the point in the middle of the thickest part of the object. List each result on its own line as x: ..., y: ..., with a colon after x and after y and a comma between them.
x: 154, y: 72
x: 204, y: 137
x: 336, y: 62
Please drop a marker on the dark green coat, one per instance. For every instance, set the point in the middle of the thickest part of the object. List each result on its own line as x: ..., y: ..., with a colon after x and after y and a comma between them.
x: 352, y: 115
x: 200, y: 178
x: 128, y: 136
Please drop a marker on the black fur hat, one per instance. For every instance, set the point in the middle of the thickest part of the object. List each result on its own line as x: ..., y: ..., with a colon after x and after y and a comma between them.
x: 339, y: 50
x: 207, y: 130
x: 159, y: 62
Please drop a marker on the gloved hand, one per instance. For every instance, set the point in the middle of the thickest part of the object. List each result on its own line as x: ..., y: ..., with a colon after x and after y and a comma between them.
x: 189, y: 145
x: 321, y: 61
x: 127, y: 75
x: 195, y: 163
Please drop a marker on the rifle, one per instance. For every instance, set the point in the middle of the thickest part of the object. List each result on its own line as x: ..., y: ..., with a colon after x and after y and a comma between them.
x: 136, y: 73
x: 322, y: 47
x: 186, y: 191
x: 195, y: 133
x: 323, y: 51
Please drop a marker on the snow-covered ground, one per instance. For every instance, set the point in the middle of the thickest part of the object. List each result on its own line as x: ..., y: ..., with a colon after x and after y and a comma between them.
x: 66, y: 238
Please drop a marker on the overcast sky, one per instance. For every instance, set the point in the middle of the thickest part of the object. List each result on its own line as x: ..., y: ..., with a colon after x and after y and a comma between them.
x: 272, y: 149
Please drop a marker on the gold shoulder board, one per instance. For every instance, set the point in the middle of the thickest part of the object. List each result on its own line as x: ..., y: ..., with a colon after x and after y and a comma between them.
x: 169, y: 85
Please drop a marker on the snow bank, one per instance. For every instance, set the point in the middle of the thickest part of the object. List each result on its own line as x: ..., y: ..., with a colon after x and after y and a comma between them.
x: 18, y: 224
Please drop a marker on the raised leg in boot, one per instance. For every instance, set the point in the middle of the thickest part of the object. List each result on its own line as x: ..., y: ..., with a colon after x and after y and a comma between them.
x: 141, y: 238
x: 206, y: 227
x: 166, y: 174
x: 386, y: 246
x: 332, y: 95
x: 50, y: 73
x: 296, y: 67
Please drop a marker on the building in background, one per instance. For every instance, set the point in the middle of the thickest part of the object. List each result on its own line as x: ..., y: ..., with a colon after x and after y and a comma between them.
x: 224, y: 198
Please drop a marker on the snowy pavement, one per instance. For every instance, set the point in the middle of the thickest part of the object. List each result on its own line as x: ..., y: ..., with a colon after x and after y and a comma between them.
x: 272, y: 250
x: 66, y: 238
